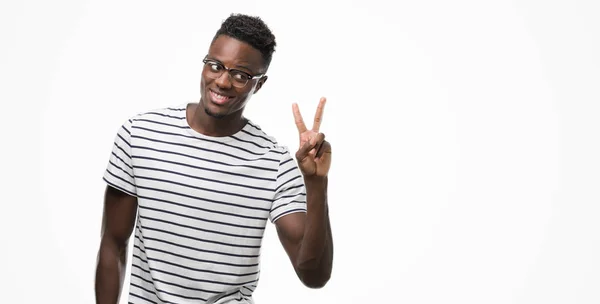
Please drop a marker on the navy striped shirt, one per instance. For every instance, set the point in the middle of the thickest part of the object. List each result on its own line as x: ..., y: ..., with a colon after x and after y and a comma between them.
x: 203, y: 204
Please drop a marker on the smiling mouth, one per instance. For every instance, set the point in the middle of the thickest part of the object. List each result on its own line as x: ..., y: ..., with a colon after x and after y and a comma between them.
x: 218, y: 98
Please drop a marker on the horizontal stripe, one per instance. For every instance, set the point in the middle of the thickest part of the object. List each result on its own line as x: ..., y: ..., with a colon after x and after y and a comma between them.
x: 204, y: 179
x: 121, y: 149
x: 167, y: 282
x: 163, y: 123
x: 254, y: 126
x: 165, y: 115
x: 206, y: 200
x: 195, y: 279
x: 199, y: 269
x: 202, y: 219
x: 259, y: 136
x: 198, y: 228
x: 284, y: 172
x: 120, y: 178
x: 253, y: 143
x: 195, y: 259
x: 146, y: 227
x: 288, y: 212
x: 208, y: 210
x: 283, y: 205
x: 168, y: 293
x: 286, y: 161
x: 211, y: 190
x: 122, y: 161
x: 124, y: 141
x: 292, y: 195
x: 119, y: 187
x: 289, y: 181
x: 125, y: 129
x: 140, y: 297
x: 205, y: 140
x: 203, y: 149
x: 233, y: 174
x: 201, y: 250
x: 198, y: 158
x: 119, y: 167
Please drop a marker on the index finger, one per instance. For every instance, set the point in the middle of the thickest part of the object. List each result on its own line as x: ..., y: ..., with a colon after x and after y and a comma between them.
x: 319, y: 114
x: 298, y: 118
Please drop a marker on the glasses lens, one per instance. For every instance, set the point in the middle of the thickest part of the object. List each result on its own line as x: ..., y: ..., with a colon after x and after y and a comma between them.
x: 215, y: 70
x: 239, y: 79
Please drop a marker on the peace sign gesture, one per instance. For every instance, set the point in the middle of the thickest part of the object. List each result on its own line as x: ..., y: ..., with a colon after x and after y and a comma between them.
x: 314, y: 153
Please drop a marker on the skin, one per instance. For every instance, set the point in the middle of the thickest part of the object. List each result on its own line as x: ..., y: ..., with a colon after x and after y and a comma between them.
x: 118, y: 220
x: 306, y: 237
x: 212, y: 119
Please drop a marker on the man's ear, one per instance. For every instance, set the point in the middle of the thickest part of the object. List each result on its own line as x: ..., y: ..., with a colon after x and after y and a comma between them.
x: 261, y: 81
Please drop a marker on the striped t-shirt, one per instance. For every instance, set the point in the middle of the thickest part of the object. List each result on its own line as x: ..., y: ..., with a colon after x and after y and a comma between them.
x: 203, y: 204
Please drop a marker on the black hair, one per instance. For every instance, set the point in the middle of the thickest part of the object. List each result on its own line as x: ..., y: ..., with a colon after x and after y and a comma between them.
x: 251, y: 30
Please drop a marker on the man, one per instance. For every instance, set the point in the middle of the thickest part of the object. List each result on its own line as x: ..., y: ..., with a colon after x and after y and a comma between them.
x: 198, y: 183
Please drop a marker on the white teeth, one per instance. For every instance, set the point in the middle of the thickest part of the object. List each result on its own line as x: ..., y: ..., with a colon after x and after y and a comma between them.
x: 219, y: 97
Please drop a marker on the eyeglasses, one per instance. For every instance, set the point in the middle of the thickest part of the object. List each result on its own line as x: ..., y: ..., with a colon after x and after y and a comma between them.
x: 215, y: 70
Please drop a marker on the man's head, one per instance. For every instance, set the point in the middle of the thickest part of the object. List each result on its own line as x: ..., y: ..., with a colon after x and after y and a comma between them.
x: 236, y: 64
x: 251, y: 30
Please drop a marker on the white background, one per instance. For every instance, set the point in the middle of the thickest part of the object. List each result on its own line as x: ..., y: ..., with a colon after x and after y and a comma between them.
x: 466, y: 165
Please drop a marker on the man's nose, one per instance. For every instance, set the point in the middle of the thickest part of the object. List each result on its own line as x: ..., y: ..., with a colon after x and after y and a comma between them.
x: 224, y: 81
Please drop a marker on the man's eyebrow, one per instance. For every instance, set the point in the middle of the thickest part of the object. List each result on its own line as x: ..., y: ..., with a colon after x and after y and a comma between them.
x: 213, y: 59
x: 236, y: 66
x: 244, y: 67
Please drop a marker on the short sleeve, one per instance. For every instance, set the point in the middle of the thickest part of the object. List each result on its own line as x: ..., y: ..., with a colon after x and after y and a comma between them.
x: 290, y: 192
x: 119, y: 171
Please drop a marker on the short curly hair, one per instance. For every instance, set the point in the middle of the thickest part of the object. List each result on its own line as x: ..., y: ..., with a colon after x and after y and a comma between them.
x: 251, y: 30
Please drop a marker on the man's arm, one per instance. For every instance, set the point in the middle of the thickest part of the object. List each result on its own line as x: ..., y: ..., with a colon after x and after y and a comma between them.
x: 118, y: 221
x: 306, y: 237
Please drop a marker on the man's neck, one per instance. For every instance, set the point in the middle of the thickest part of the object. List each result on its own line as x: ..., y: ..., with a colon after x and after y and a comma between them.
x: 208, y: 125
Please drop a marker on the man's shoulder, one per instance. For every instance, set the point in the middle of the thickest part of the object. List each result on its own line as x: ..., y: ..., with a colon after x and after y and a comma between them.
x: 254, y: 132
x: 175, y: 112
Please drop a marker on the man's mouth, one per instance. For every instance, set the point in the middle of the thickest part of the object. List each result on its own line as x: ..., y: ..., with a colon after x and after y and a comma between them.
x: 218, y: 98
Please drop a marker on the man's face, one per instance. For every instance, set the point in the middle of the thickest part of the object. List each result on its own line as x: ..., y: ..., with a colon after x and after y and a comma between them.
x: 221, y: 97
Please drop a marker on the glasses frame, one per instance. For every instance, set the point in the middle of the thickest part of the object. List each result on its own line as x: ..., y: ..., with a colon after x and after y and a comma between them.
x: 228, y: 70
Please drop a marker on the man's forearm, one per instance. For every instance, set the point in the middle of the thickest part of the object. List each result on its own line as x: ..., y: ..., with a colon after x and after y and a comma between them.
x: 316, y: 252
x: 110, y: 272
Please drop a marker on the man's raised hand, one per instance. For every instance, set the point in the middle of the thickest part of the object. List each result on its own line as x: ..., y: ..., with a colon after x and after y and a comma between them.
x: 314, y: 153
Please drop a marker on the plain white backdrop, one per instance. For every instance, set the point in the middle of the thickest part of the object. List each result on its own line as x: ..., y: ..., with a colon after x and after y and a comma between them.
x: 465, y: 134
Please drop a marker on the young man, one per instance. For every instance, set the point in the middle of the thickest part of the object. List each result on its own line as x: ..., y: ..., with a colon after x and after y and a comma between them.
x: 198, y: 183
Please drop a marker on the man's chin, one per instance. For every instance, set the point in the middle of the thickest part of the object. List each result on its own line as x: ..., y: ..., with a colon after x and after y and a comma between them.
x: 212, y: 114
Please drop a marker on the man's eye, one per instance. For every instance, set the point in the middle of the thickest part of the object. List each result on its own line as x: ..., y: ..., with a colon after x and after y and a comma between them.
x: 239, y: 76
x: 215, y: 67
